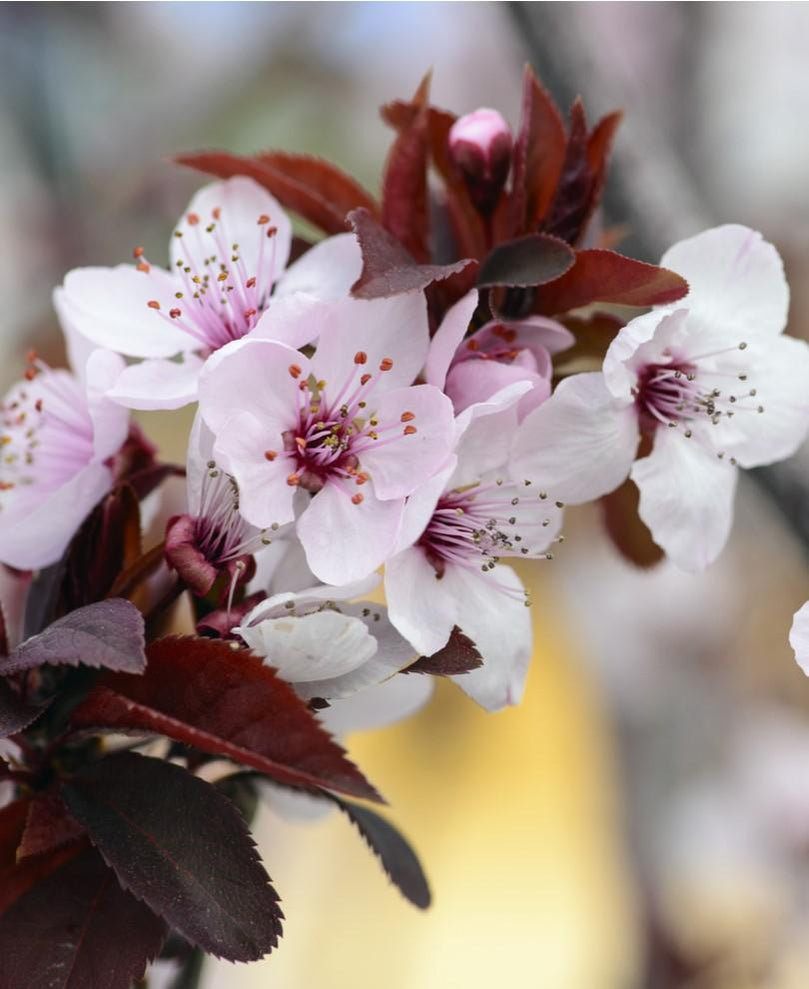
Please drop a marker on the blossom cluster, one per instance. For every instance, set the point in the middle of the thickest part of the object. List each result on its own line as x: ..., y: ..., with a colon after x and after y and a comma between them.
x: 373, y: 412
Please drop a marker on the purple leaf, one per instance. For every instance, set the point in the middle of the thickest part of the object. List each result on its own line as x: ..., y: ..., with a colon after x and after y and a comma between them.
x: 77, y: 929
x: 181, y: 847
x: 530, y: 260
x: 15, y: 713
x: 397, y: 857
x: 459, y: 655
x: 106, y: 634
x: 388, y: 268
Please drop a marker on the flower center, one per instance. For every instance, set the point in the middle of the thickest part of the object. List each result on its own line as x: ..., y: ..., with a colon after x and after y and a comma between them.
x: 221, y: 532
x: 335, y: 428
x: 47, y: 432
x: 217, y: 298
x: 474, y: 526
x: 687, y: 391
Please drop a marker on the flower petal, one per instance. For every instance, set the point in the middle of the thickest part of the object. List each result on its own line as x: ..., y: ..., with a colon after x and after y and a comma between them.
x: 483, y: 431
x: 579, y: 444
x: 108, y: 306
x: 476, y: 381
x: 234, y: 207
x: 292, y: 319
x: 377, y: 707
x: 398, y: 468
x: 686, y: 498
x: 344, y: 541
x: 736, y: 280
x: 325, y: 271
x: 799, y: 637
x: 158, y: 384
x: 644, y: 340
x: 110, y: 422
x: 448, y: 338
x: 423, y: 607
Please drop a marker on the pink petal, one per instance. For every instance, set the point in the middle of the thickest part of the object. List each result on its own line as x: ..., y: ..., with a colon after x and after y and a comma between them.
x: 325, y: 271
x: 448, y: 338
x: 158, y: 384
x: 477, y: 380
x: 423, y: 608
x: 799, y: 637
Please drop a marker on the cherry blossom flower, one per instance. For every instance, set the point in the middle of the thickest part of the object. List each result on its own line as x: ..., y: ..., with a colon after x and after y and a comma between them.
x: 703, y: 385
x: 455, y: 530
x: 228, y: 256
x: 212, y: 538
x: 480, y: 147
x: 799, y: 637
x: 323, y: 643
x: 59, y: 436
x: 473, y: 369
x: 344, y: 425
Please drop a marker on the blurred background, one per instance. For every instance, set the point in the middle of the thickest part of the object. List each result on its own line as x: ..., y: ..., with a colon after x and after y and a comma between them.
x: 641, y: 821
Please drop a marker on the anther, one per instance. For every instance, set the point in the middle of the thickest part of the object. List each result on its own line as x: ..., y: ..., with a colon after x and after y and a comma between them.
x: 293, y: 480
x: 385, y: 364
x: 407, y: 417
x: 153, y: 304
x: 409, y: 430
x: 365, y: 379
x: 360, y: 357
x: 137, y: 253
x: 193, y: 219
x: 295, y: 370
x: 357, y: 499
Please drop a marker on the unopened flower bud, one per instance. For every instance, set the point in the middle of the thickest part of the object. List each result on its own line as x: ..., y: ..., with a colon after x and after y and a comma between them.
x: 480, y: 147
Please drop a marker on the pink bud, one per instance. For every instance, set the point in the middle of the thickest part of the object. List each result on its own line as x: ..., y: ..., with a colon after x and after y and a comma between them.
x: 480, y: 147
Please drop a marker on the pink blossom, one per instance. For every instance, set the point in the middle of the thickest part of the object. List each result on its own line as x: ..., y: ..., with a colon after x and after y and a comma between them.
x: 344, y: 427
x: 228, y: 258
x: 455, y: 530
x: 474, y: 368
x: 711, y: 382
x: 59, y: 436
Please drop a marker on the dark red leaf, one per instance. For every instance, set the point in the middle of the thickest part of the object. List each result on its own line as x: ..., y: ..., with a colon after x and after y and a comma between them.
x: 201, y: 692
x: 391, y: 848
x: 301, y: 183
x: 15, y: 713
x: 604, y: 276
x: 387, y: 268
x: 48, y: 826
x: 539, y: 152
x: 459, y: 655
x: 572, y: 204
x: 530, y: 260
x: 600, y: 141
x: 182, y: 848
x: 129, y: 580
x: 628, y: 532
x: 77, y: 929
x: 401, y: 113
x: 12, y: 826
x: 106, y: 634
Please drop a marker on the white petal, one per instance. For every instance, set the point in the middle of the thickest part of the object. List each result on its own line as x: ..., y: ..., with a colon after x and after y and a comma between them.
x: 313, y: 647
x: 686, y: 498
x: 240, y: 201
x: 642, y: 341
x: 736, y: 280
x: 779, y: 370
x: 108, y: 306
x: 421, y: 606
x: 420, y: 506
x: 377, y: 707
x: 500, y: 626
x: 485, y: 431
x: 344, y: 541
x: 325, y: 271
x: 579, y: 444
x: 309, y: 599
x: 110, y: 421
x: 158, y: 384
x: 799, y: 637
x: 292, y: 319
x: 448, y: 338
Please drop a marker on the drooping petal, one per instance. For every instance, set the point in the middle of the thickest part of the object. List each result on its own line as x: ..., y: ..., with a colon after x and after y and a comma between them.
x: 779, y: 370
x: 376, y: 707
x: 309, y: 598
x: 579, y: 444
x: 158, y: 384
x: 109, y: 307
x: 36, y: 536
x: 423, y: 607
x: 345, y: 541
x: 686, y: 498
x: 394, y: 328
x: 476, y: 381
x: 265, y: 497
x: 398, y: 468
x: 448, y: 338
x: 325, y: 271
x: 252, y: 376
x: 500, y: 626
x: 234, y: 207
x: 799, y: 637
x: 736, y: 280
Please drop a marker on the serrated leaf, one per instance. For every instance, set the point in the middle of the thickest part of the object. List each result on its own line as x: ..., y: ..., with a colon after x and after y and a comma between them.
x: 573, y: 201
x: 387, y: 267
x: 458, y: 656
x: 15, y: 713
x: 181, y: 847
x: 391, y: 848
x: 606, y: 276
x: 77, y: 929
x: 297, y: 181
x: 106, y: 634
x: 526, y: 261
x: 48, y: 825
x: 226, y: 702
x: 405, y: 212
